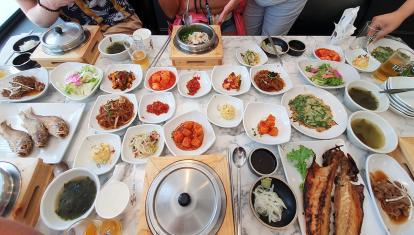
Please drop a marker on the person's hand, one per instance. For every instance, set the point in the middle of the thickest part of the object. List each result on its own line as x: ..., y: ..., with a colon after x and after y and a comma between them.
x: 56, y: 4
x: 230, y: 6
x: 386, y: 24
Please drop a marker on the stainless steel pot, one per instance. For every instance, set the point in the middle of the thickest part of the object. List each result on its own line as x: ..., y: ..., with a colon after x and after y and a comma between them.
x: 187, y: 197
x: 62, y: 38
x: 200, y: 48
x: 10, y: 183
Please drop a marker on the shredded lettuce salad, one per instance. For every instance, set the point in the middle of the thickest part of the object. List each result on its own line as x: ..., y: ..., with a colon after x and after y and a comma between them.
x: 83, y: 82
x: 324, y: 75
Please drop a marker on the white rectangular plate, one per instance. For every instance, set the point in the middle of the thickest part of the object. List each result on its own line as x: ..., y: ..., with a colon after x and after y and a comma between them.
x: 370, y: 225
x: 56, y: 147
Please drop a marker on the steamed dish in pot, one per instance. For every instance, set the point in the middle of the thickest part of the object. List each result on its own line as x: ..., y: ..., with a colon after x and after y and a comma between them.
x: 195, y: 38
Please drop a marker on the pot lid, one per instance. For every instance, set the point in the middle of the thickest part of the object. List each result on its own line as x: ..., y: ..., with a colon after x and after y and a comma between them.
x: 10, y: 183
x: 65, y: 36
x: 187, y: 197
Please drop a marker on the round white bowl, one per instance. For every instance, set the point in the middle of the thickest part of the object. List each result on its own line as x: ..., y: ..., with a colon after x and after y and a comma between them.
x: 337, y: 49
x: 373, y: 63
x: 59, y: 74
x: 48, y: 202
x: 205, y: 84
x: 126, y: 152
x: 253, y: 47
x: 83, y: 157
x: 391, y: 139
x: 153, y: 70
x: 106, y: 84
x: 213, y: 114
x: 383, y: 100
x: 147, y: 99
x: 273, y: 68
x: 114, y: 37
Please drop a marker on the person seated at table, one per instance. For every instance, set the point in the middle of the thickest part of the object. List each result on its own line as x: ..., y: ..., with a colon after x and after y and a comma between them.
x: 387, y: 23
x: 8, y: 226
x: 274, y: 17
x: 114, y: 16
x: 227, y: 13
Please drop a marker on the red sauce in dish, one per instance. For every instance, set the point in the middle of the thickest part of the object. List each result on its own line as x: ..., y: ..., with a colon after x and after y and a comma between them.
x: 188, y: 136
x: 161, y: 80
x: 193, y: 85
x: 158, y: 108
x: 327, y: 54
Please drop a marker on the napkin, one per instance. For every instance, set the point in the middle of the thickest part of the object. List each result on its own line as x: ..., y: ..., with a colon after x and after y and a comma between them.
x: 345, y: 27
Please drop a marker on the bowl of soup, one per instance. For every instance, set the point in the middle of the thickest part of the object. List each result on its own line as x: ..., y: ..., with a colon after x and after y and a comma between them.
x: 369, y: 131
x: 115, y: 46
x: 364, y: 95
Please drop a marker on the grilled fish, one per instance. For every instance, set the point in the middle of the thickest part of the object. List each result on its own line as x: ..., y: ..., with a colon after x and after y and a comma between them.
x: 56, y: 126
x: 36, y: 130
x: 348, y: 199
x: 19, y: 141
x: 318, y: 187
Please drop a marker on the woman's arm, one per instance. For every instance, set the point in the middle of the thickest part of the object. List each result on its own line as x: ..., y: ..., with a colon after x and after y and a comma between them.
x: 391, y: 21
x: 39, y: 15
x: 170, y: 7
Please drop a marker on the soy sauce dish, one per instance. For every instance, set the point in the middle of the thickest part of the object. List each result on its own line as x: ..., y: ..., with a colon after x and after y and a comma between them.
x: 262, y: 162
x: 276, y: 190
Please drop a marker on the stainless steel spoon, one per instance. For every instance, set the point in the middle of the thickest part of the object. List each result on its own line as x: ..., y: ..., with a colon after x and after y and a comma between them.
x: 239, y: 158
x: 395, y: 91
x: 186, y: 16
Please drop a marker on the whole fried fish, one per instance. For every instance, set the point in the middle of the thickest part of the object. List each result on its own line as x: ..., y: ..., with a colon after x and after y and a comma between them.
x: 19, y: 141
x: 56, y: 126
x: 317, y: 191
x: 36, y: 130
x: 348, y: 199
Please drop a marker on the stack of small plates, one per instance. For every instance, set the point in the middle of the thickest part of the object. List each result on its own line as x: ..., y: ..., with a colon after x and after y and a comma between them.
x: 401, y: 103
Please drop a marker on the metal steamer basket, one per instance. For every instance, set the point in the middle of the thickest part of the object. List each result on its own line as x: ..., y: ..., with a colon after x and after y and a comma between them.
x: 196, y: 49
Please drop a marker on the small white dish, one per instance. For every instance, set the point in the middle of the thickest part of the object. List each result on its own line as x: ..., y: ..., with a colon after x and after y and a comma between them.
x: 383, y: 101
x: 208, y: 140
x: 221, y: 72
x: 339, y: 113
x: 373, y: 64
x: 347, y: 72
x: 391, y: 138
x: 255, y: 48
x: 103, y: 99
x: 205, y: 84
x: 256, y: 112
x: 213, y: 113
x: 106, y: 41
x: 84, y: 159
x: 273, y: 68
x: 394, y: 171
x: 337, y: 49
x: 106, y: 84
x: 50, y: 197
x: 110, y: 205
x: 153, y: 70
x: 147, y: 99
x: 62, y: 71
x: 126, y: 152
x: 41, y: 75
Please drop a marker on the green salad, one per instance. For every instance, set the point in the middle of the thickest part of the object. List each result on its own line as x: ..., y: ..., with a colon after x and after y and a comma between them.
x: 299, y: 158
x: 324, y: 75
x: 83, y: 82
x: 311, y: 112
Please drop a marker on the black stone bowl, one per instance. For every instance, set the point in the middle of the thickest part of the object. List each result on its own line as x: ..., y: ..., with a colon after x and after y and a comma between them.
x: 23, y: 62
x: 288, y: 197
x: 277, y: 41
x: 16, y: 45
x: 296, y: 48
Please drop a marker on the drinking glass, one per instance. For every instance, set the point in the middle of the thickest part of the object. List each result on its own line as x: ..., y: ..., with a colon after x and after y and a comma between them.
x: 139, y: 54
x: 365, y: 36
x: 395, y: 65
